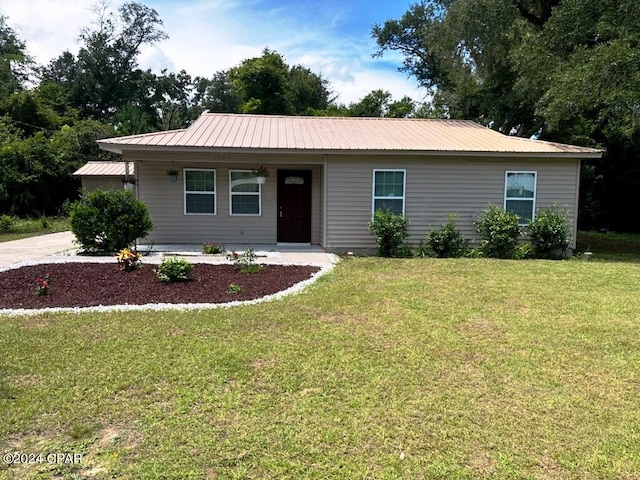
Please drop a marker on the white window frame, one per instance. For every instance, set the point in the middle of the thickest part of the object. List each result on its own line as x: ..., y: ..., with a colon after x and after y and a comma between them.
x: 522, y: 222
x: 214, y: 192
x: 258, y: 194
x: 404, y: 188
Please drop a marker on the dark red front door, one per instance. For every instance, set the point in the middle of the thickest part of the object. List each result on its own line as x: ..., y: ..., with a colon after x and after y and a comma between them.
x: 294, y: 206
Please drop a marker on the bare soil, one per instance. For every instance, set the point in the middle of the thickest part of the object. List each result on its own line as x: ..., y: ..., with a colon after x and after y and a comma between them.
x: 92, y: 284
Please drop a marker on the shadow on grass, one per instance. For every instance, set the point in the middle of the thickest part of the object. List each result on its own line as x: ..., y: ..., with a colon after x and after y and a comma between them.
x: 610, y: 246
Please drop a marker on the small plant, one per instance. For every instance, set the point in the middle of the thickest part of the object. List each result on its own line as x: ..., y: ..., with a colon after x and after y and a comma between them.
x: 172, y: 172
x: 261, y: 171
x: 174, y: 270
x: 390, y: 229
x: 45, y: 222
x: 245, y: 262
x: 549, y: 233
x: 447, y: 241
x: 233, y: 288
x: 43, y: 284
x: 212, y: 248
x: 499, y: 232
x: 6, y: 223
x: 128, y: 260
x: 405, y: 251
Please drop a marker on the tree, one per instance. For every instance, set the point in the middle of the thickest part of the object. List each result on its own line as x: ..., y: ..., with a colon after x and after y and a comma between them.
x: 462, y: 52
x: 15, y: 63
x: 265, y: 85
x: 379, y: 103
x: 104, y: 76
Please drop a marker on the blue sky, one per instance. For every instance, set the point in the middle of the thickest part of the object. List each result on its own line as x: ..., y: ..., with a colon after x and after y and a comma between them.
x: 331, y: 37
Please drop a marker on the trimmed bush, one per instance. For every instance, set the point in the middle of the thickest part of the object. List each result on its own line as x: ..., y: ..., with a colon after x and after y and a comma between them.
x: 174, y: 270
x: 107, y: 221
x: 390, y: 229
x: 447, y: 241
x: 499, y: 233
x: 550, y: 233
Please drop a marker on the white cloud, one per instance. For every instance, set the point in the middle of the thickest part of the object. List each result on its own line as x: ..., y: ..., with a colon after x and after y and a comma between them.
x: 208, y: 35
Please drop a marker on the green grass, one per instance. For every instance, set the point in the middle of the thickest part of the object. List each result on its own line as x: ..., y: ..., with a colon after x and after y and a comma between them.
x: 385, y: 369
x: 30, y: 227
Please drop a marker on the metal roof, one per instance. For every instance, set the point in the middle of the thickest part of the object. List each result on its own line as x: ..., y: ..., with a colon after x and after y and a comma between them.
x: 111, y: 169
x: 289, y: 134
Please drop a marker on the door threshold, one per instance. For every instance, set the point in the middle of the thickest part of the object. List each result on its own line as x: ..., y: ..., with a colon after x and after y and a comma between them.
x: 293, y: 244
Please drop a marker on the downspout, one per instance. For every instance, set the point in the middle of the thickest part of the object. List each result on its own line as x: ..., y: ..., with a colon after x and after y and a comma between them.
x: 574, y: 241
x: 325, y: 189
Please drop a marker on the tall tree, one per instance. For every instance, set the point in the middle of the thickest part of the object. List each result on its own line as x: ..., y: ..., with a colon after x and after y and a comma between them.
x: 105, y: 75
x: 379, y: 103
x: 266, y: 85
x: 15, y: 63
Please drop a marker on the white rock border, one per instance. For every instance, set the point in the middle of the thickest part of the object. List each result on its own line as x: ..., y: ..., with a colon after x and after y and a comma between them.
x: 294, y: 289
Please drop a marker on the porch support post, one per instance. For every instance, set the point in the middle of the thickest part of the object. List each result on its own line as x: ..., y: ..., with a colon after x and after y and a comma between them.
x: 325, y: 208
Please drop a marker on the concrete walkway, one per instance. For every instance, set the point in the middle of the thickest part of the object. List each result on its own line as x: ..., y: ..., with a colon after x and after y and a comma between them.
x: 35, y: 248
x: 53, y: 246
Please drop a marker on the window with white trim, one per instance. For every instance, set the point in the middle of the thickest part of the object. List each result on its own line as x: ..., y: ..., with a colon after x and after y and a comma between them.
x: 199, y: 191
x: 244, y: 193
x: 389, y: 190
x: 520, y: 194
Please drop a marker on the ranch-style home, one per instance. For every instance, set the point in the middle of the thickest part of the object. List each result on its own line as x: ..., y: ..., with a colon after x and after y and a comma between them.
x: 326, y: 175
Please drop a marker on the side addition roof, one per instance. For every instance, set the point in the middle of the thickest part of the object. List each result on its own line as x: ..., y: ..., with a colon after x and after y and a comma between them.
x: 289, y: 134
x: 104, y: 169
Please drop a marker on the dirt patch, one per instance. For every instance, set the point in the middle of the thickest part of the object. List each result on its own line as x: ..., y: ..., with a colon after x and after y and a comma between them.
x: 93, y: 284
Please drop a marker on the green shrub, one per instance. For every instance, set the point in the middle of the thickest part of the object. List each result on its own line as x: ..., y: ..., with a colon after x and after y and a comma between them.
x: 174, y: 270
x: 499, y: 233
x: 550, y: 233
x: 390, y: 229
x: 6, y: 223
x: 447, y: 241
x: 108, y: 221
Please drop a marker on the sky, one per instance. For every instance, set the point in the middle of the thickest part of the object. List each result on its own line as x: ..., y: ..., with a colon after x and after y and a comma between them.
x: 330, y: 37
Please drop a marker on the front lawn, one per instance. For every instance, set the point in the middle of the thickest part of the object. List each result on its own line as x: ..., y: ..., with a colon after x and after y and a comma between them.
x: 387, y: 368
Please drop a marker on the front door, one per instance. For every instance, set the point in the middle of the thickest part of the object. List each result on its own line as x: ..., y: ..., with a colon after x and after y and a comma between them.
x: 294, y: 206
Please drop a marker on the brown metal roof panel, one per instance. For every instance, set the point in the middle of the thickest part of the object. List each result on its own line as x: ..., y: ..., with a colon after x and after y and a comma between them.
x: 111, y: 169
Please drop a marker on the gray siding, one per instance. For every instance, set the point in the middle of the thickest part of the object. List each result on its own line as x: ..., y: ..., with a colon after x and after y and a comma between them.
x: 342, y: 194
x: 101, y: 182
x: 165, y: 201
x: 435, y: 187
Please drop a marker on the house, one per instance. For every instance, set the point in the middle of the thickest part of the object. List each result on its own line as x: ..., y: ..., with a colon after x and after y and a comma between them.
x: 105, y: 175
x: 328, y: 174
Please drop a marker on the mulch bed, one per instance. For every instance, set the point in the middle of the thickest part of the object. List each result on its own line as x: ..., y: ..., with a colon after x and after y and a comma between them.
x: 92, y: 284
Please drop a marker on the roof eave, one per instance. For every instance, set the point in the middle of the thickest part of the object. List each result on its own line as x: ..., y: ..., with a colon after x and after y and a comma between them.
x: 119, y: 149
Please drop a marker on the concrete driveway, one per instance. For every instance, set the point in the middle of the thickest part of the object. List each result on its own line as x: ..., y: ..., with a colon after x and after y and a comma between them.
x: 34, y: 248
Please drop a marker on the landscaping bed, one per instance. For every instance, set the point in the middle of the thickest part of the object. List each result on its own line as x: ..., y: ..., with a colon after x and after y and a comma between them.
x: 92, y: 284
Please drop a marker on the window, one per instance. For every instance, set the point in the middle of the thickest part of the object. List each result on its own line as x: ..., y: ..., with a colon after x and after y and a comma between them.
x: 520, y: 194
x: 388, y: 190
x: 244, y: 193
x: 199, y: 192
